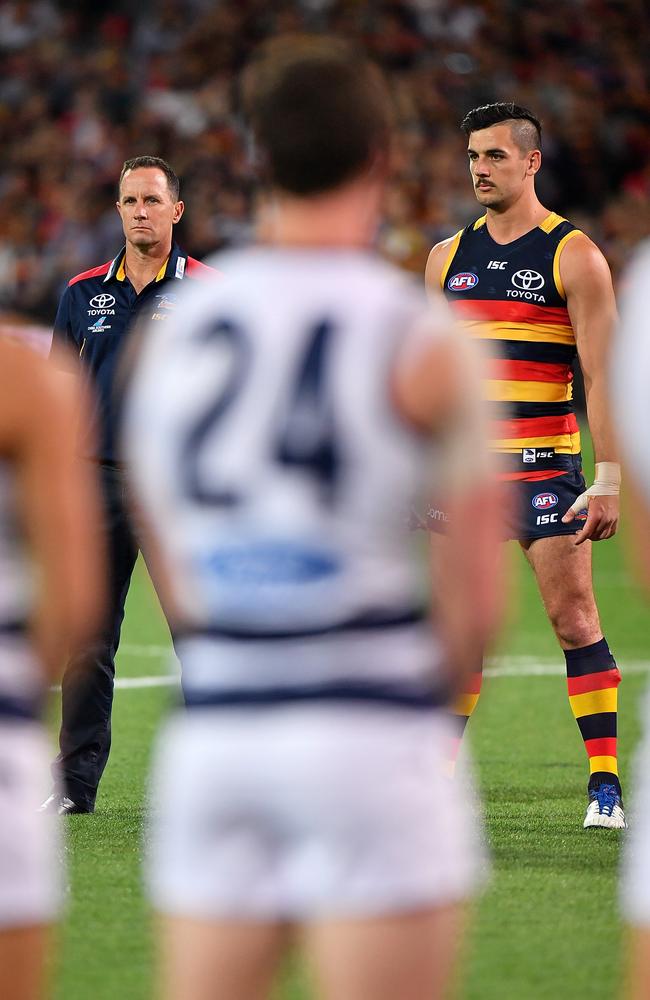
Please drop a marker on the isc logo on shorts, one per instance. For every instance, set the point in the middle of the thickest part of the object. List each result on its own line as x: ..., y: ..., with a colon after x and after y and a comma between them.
x: 544, y: 501
x: 462, y: 282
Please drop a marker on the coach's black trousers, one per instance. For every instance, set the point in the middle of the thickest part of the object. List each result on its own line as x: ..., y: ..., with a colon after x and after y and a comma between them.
x: 87, y: 688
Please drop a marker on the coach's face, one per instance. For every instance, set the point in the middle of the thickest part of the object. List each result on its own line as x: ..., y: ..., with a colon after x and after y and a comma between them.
x: 499, y: 168
x: 147, y: 208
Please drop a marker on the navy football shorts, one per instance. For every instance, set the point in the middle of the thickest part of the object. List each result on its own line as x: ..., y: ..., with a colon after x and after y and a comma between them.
x: 531, y: 509
x: 536, y: 509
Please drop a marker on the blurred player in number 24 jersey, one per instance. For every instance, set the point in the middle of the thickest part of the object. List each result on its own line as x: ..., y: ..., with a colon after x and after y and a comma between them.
x: 277, y: 437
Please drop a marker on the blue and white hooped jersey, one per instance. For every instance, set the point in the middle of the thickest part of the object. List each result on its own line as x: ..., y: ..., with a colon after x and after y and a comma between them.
x: 277, y: 477
x: 21, y: 680
x: 630, y: 370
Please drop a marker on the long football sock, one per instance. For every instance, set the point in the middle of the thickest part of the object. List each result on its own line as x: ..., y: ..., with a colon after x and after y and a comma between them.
x: 593, y: 679
x: 462, y: 709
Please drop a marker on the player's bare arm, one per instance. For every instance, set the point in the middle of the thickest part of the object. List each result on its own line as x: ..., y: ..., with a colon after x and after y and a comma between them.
x: 57, y: 502
x: 587, y: 282
x: 437, y: 388
x: 436, y: 263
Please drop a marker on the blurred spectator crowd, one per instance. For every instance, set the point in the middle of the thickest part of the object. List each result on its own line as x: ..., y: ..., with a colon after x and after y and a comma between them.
x: 84, y: 86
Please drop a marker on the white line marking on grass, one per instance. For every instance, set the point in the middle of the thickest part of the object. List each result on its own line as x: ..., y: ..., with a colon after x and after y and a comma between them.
x: 148, y: 652
x: 497, y: 667
x: 170, y: 680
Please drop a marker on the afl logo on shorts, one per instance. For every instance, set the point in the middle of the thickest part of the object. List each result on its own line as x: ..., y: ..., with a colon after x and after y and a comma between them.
x: 462, y: 282
x: 544, y: 501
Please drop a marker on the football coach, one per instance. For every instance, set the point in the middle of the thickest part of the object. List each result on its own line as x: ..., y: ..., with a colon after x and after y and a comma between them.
x: 100, y: 310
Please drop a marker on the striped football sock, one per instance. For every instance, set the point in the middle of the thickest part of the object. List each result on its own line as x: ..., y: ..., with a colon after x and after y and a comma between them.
x: 593, y: 679
x: 462, y: 709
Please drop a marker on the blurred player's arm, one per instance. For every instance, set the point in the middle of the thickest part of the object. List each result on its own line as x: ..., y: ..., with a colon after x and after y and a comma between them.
x: 57, y: 500
x: 629, y: 401
x: 637, y: 511
x: 436, y: 387
x: 157, y: 565
x: 587, y: 282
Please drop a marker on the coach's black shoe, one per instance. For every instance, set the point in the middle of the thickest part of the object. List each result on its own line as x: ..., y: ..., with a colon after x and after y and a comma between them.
x: 61, y: 805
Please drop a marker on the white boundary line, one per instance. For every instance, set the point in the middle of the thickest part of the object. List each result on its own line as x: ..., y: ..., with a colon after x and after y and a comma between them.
x: 498, y: 667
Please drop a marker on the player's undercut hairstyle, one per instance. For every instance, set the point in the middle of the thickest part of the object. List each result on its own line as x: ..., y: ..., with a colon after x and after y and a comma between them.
x: 137, y: 162
x: 318, y: 110
x: 526, y: 128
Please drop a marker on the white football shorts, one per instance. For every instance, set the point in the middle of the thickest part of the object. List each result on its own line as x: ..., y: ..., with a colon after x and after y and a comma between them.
x: 309, y: 812
x: 31, y: 863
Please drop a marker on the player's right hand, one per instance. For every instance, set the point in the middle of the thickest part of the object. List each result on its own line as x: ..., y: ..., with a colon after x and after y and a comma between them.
x: 601, y: 503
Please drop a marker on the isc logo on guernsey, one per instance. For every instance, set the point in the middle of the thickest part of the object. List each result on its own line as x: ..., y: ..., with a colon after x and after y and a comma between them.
x: 462, y: 282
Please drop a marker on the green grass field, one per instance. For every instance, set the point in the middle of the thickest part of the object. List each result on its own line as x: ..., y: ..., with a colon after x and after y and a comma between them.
x: 547, y: 926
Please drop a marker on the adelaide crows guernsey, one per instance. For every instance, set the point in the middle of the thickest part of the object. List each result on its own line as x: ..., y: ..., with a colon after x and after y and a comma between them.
x: 97, y: 313
x: 511, y: 297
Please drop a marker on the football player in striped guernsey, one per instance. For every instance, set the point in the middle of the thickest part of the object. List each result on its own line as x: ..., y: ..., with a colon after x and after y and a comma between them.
x: 538, y: 292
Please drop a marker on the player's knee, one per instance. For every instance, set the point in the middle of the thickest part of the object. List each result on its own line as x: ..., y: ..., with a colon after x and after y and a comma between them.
x: 575, y: 626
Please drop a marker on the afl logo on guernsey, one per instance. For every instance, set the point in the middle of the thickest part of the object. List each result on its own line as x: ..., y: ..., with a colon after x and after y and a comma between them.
x: 543, y: 501
x: 462, y: 282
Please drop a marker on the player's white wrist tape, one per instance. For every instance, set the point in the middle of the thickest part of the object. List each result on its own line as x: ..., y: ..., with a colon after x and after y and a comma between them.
x: 606, y: 484
x: 608, y: 480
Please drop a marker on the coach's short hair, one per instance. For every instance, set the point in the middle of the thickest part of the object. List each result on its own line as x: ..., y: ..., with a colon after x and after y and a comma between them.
x: 318, y: 110
x: 136, y: 162
x: 526, y: 128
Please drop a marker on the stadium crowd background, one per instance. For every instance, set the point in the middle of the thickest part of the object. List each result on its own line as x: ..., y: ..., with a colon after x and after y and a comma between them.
x: 84, y: 86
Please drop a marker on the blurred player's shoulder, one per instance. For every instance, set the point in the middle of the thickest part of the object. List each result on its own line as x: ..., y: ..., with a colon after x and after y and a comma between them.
x: 337, y: 271
x: 199, y: 271
x: 18, y: 361
x: 635, y: 275
x: 30, y: 390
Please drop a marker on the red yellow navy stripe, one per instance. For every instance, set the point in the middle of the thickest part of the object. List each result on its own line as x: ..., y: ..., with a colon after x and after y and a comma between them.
x: 527, y: 371
x: 529, y: 477
x: 515, y: 321
x: 599, y: 681
x: 594, y: 702
x: 560, y: 433
x: 531, y: 332
x: 602, y: 746
x: 511, y: 311
x: 603, y: 763
x: 562, y: 444
x: 513, y: 391
x: 542, y: 426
